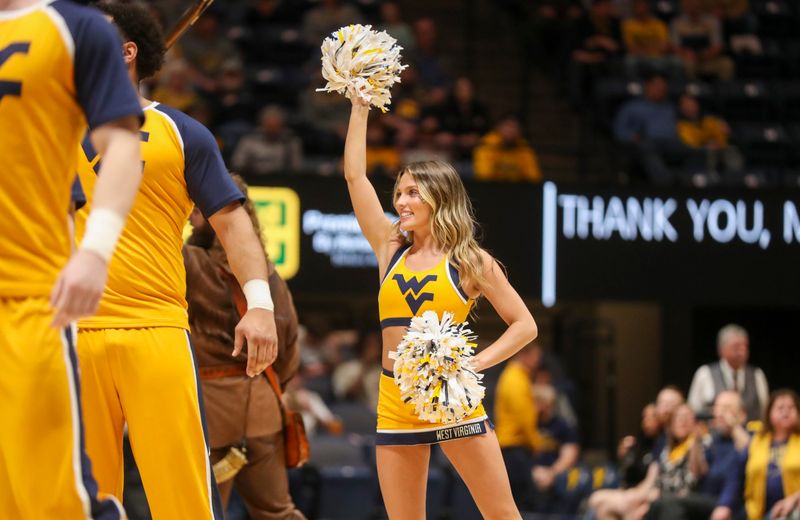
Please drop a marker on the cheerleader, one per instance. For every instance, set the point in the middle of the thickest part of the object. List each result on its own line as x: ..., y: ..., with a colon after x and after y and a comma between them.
x: 428, y: 260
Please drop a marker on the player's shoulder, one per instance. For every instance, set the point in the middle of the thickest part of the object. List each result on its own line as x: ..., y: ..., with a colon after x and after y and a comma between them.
x: 190, y: 129
x: 85, y: 24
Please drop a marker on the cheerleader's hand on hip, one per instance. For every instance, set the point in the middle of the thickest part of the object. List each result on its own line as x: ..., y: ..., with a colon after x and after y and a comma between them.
x: 257, y: 327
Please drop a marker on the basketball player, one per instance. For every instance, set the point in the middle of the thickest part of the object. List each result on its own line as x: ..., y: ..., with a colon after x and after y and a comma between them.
x: 135, y: 353
x: 60, y: 71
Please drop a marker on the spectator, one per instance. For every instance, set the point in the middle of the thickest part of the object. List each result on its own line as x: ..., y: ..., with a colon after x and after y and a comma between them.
x: 597, y: 42
x: 264, y: 15
x: 427, y: 146
x: 671, y: 474
x: 327, y: 17
x: 357, y: 379
x: 408, y: 99
x: 504, y: 155
x: 434, y: 71
x: 667, y: 401
x: 708, y: 133
x: 463, y: 118
x: 649, y: 126
x: 767, y: 473
x: 564, y: 409
x: 559, y: 451
x: 553, y: 21
x: 271, y: 149
x: 516, y: 418
x: 175, y: 86
x: 697, y: 39
x: 382, y: 157
x: 205, y: 48
x: 735, y: 15
x: 731, y: 372
x: 233, y: 100
x: 392, y: 22
x: 634, y: 454
x: 647, y: 43
x: 324, y: 117
x: 311, y: 406
x: 728, y: 438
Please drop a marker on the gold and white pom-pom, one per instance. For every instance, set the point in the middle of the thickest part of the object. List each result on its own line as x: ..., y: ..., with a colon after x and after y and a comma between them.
x: 356, y: 59
x: 433, y: 369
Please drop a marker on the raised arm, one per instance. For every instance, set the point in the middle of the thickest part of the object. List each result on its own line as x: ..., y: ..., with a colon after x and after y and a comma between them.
x: 506, y: 301
x: 369, y: 213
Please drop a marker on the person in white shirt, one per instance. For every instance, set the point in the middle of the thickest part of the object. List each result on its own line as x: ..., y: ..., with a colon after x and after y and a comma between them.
x: 731, y: 372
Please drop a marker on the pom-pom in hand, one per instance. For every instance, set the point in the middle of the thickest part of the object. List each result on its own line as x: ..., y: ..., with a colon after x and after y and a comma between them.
x: 433, y: 369
x: 359, y: 61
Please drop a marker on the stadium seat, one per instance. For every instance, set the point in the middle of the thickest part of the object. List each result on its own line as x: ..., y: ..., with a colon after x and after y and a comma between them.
x: 328, y: 450
x: 355, y: 416
x: 571, y: 487
x: 787, y: 100
x: 609, y: 94
x: 605, y: 477
x: 701, y: 90
x: 765, y: 145
x: 346, y: 493
x: 744, y: 100
x: 347, y: 487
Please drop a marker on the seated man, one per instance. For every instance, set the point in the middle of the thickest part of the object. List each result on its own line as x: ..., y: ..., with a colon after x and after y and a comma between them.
x: 648, y: 126
x: 559, y: 451
x: 728, y: 437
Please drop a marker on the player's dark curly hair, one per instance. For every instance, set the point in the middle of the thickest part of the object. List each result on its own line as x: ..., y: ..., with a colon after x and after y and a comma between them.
x: 138, y: 25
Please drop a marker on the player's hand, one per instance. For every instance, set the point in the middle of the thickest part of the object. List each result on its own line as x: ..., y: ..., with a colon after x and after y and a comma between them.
x: 78, y: 288
x: 543, y: 477
x: 257, y: 327
x: 721, y: 513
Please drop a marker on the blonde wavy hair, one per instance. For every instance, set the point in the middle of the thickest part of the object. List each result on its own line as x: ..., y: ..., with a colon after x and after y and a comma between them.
x: 452, y: 219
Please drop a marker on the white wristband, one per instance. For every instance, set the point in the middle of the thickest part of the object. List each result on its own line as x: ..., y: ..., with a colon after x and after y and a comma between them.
x: 103, y: 228
x: 257, y: 294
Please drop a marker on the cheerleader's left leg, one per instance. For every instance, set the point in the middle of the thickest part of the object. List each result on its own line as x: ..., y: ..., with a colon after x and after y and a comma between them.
x: 480, y: 464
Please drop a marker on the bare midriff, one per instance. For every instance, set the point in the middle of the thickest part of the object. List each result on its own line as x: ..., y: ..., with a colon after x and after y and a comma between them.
x: 392, y: 336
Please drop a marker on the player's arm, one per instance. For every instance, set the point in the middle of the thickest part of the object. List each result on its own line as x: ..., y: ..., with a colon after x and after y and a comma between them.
x: 247, y: 260
x: 366, y: 205
x: 110, y: 104
x: 78, y: 289
x: 507, y: 302
x: 219, y: 200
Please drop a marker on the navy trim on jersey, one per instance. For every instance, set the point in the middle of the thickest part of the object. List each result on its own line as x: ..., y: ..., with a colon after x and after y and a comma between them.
x: 104, y: 90
x: 395, y: 258
x: 395, y: 322
x: 78, y: 196
x: 216, y: 498
x: 209, y: 184
x: 456, y: 281
x: 108, y: 508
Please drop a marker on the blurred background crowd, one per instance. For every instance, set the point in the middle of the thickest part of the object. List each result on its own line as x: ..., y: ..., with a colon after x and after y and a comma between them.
x: 688, y: 93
